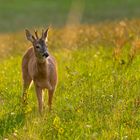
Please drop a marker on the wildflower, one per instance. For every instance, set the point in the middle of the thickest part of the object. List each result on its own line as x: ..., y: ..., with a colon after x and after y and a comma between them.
x: 111, y: 96
x: 78, y: 110
x: 88, y: 126
x: 56, y: 122
x: 15, y: 134
x: 125, y: 137
x: 89, y: 74
x: 95, y: 56
x: 27, y: 109
x: 61, y: 130
x: 12, y: 113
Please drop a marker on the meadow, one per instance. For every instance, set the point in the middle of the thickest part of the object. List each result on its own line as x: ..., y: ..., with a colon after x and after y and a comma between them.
x: 98, y: 93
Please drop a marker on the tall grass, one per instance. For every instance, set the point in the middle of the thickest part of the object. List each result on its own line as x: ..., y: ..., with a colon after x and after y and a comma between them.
x: 97, y: 95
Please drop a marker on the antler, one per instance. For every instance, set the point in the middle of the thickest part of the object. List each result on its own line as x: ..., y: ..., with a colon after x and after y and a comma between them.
x: 42, y: 33
x: 45, y: 34
x: 36, y: 34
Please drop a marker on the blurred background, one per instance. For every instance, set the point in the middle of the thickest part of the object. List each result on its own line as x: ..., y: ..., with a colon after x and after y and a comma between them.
x: 19, y: 14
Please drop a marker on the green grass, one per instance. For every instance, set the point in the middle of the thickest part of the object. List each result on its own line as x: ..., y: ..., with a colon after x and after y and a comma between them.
x: 17, y: 15
x: 96, y: 98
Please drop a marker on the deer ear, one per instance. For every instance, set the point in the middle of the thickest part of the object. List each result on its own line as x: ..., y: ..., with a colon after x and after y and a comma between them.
x: 45, y: 34
x: 29, y: 36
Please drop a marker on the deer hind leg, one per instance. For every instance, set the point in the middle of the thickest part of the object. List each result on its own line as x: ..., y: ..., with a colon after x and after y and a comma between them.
x: 39, y: 94
x: 50, y: 97
x: 26, y: 83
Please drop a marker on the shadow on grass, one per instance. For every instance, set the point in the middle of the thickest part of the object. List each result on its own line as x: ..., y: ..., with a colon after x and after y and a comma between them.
x: 10, y: 123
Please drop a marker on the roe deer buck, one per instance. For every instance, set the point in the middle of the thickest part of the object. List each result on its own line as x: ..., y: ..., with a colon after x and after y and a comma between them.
x: 40, y: 67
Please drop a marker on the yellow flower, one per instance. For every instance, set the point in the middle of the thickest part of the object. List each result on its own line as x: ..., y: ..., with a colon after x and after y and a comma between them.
x: 61, y: 130
x: 27, y: 109
x: 56, y: 122
x: 79, y: 111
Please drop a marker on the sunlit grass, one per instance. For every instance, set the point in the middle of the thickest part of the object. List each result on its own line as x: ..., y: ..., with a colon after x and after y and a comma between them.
x: 97, y: 97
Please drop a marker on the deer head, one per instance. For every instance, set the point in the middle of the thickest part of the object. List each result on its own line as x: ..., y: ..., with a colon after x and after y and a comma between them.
x: 39, y: 44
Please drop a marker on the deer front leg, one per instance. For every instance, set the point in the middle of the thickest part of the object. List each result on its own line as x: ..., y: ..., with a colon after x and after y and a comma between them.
x: 24, y: 95
x: 26, y: 85
x: 50, y: 92
x: 39, y: 94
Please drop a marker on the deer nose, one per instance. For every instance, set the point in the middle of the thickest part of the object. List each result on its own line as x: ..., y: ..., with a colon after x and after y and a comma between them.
x: 46, y: 54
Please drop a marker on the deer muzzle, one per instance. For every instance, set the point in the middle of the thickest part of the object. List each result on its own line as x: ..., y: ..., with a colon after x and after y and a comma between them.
x: 46, y: 54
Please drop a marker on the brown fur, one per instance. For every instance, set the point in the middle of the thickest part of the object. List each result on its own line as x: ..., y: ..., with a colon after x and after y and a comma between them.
x: 43, y: 73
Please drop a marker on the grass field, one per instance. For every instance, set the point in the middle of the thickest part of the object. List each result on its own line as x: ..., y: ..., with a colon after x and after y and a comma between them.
x: 98, y: 92
x: 98, y: 95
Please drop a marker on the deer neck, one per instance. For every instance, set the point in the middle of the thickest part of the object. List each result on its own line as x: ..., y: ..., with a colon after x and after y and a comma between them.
x: 41, y: 66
